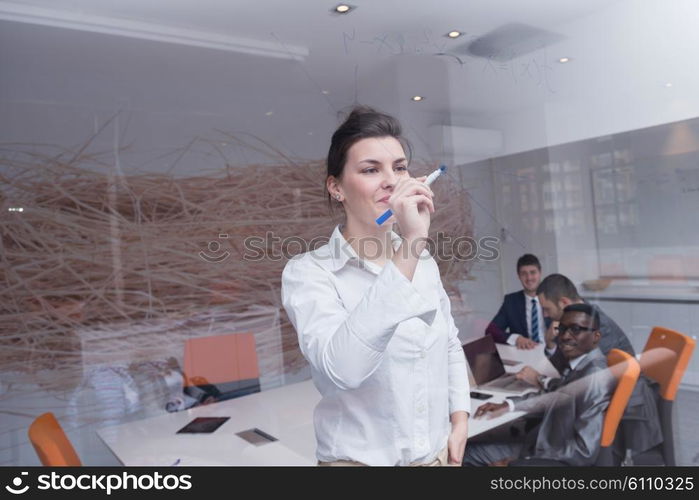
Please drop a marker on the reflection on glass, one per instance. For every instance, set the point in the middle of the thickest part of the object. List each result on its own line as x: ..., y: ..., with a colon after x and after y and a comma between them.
x: 607, y: 220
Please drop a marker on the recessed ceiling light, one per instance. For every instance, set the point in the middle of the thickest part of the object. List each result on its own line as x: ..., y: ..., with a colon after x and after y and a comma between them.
x: 343, y: 8
x: 325, y: 92
x: 668, y: 84
x: 269, y: 113
x: 454, y: 34
x: 417, y: 98
x: 564, y: 60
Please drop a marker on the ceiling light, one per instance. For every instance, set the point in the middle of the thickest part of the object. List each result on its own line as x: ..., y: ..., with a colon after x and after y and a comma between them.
x: 417, y: 98
x: 454, y: 34
x: 668, y: 84
x: 269, y: 113
x: 325, y: 92
x: 564, y: 60
x: 343, y: 8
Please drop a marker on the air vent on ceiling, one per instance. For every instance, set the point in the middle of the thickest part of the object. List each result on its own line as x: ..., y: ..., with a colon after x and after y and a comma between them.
x: 509, y: 41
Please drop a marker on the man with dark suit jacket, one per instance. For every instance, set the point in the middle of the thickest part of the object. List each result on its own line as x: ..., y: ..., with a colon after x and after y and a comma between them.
x: 571, y: 408
x: 640, y: 427
x: 520, y: 320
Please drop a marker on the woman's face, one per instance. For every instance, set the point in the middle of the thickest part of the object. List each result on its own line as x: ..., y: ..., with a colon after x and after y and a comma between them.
x: 371, y: 171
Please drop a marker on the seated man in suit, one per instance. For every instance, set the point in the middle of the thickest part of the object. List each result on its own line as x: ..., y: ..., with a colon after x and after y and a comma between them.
x: 520, y: 321
x: 640, y: 426
x: 571, y: 408
x: 556, y: 292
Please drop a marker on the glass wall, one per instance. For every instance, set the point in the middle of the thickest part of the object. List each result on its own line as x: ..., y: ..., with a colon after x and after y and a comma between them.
x: 161, y: 161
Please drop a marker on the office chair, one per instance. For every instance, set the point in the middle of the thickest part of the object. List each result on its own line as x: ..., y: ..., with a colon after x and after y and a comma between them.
x: 221, y: 367
x: 51, y: 443
x: 664, y: 360
x: 626, y: 370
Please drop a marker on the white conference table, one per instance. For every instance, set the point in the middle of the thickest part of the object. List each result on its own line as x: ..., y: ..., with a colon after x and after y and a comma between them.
x: 285, y: 412
x: 532, y: 357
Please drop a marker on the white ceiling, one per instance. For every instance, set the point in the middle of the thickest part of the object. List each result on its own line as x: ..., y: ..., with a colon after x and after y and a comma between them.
x: 105, y: 54
x: 310, y: 23
x: 336, y: 45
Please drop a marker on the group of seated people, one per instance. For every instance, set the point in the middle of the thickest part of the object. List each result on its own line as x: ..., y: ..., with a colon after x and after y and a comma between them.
x: 565, y: 414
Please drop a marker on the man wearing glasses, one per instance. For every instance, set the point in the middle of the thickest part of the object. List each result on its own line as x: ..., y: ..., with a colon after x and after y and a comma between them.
x: 571, y: 407
x: 640, y: 426
x: 556, y: 292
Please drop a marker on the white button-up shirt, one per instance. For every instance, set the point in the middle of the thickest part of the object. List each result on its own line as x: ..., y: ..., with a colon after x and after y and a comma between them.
x: 384, y: 354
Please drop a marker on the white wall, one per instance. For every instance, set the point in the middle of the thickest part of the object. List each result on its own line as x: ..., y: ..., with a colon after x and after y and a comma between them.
x: 605, y: 89
x: 59, y: 86
x: 483, y: 292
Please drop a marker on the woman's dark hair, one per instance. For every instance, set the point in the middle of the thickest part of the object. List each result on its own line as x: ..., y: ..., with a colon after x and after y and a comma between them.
x: 362, y: 122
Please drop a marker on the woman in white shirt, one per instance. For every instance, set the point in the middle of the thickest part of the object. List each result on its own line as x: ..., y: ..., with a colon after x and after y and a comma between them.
x: 372, y: 316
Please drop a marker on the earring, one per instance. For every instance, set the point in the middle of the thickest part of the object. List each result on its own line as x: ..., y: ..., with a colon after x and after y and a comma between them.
x: 338, y: 197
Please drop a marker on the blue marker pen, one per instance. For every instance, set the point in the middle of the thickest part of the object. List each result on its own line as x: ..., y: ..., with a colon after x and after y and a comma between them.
x: 430, y: 179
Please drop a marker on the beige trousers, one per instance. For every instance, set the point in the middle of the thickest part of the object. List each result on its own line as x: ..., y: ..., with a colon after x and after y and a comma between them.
x: 441, y: 460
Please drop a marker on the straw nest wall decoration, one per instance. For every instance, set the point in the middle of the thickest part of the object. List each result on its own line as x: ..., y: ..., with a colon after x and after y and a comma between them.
x: 101, y: 268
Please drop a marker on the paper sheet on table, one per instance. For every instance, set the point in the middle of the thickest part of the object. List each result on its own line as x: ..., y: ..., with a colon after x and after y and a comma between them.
x: 536, y: 358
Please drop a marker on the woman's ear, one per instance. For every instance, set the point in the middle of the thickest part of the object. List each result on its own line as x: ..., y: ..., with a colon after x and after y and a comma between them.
x: 333, y: 187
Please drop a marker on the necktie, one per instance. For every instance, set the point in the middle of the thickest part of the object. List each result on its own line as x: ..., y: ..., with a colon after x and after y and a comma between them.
x: 535, y: 322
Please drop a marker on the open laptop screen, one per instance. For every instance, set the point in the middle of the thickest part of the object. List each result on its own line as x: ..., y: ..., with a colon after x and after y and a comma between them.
x: 483, y: 359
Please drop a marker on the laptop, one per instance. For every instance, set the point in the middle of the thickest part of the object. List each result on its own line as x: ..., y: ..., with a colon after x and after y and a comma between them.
x: 488, y: 369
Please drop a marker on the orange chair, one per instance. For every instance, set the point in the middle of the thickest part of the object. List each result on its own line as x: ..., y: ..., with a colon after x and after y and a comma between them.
x: 626, y: 370
x: 664, y: 360
x: 221, y: 366
x: 51, y: 443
